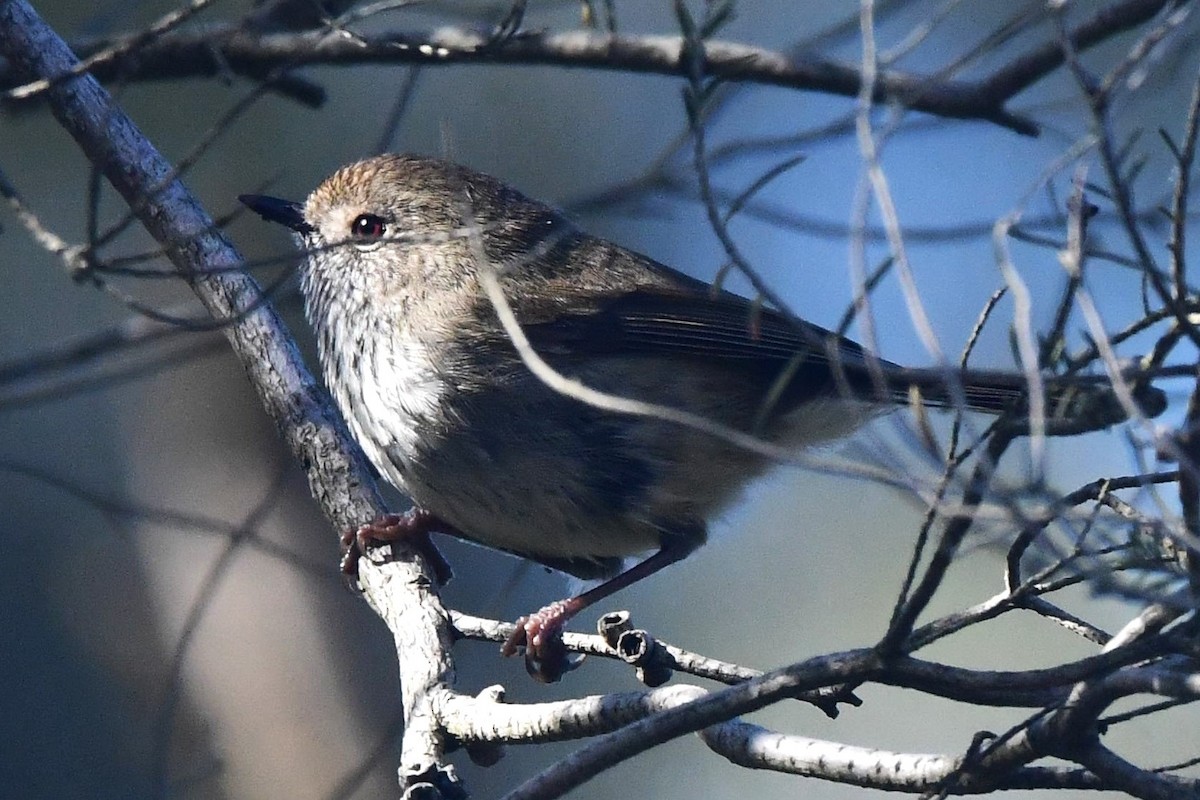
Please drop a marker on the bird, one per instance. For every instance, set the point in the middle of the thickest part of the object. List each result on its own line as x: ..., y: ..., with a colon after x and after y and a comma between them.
x: 399, y: 253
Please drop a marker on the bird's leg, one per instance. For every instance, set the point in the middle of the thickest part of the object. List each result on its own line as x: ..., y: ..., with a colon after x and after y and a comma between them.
x: 540, y: 633
x: 415, y: 525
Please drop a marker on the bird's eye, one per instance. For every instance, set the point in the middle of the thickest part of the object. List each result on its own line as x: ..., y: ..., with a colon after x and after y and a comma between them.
x: 368, y: 227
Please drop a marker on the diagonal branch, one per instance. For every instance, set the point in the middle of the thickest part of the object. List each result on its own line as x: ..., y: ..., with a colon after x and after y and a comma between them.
x: 336, y: 469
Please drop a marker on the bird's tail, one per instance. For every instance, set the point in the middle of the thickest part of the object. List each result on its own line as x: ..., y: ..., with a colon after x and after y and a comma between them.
x: 1089, y: 399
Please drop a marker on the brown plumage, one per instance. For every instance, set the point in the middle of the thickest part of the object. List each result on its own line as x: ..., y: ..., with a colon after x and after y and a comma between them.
x: 441, y: 402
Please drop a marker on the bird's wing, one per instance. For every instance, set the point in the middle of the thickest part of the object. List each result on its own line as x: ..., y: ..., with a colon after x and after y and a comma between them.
x: 722, y: 328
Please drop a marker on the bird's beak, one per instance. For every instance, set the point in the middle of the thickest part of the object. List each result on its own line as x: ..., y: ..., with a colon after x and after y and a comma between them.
x: 272, y: 209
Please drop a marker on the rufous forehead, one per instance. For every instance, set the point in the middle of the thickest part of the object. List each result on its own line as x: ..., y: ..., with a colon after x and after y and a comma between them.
x: 387, y: 185
x: 349, y: 185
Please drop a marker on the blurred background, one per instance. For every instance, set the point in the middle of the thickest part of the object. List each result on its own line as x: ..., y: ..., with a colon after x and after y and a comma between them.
x: 172, y: 622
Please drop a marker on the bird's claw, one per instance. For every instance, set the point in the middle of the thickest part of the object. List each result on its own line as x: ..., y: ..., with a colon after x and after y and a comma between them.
x: 414, y: 525
x: 540, y: 635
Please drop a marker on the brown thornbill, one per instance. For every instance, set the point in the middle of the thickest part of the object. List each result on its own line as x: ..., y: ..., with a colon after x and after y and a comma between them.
x: 440, y: 399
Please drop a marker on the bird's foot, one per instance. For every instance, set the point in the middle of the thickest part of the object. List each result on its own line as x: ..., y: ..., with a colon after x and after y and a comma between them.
x: 415, y: 525
x: 540, y: 635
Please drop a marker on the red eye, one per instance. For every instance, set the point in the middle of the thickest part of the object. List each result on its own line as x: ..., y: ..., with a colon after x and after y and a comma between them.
x: 368, y: 226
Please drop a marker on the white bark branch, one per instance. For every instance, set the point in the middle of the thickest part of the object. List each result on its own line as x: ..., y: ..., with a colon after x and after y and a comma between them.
x: 337, y: 471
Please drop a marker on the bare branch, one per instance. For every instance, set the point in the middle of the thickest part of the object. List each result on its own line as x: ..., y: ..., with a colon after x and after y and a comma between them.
x: 337, y: 471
